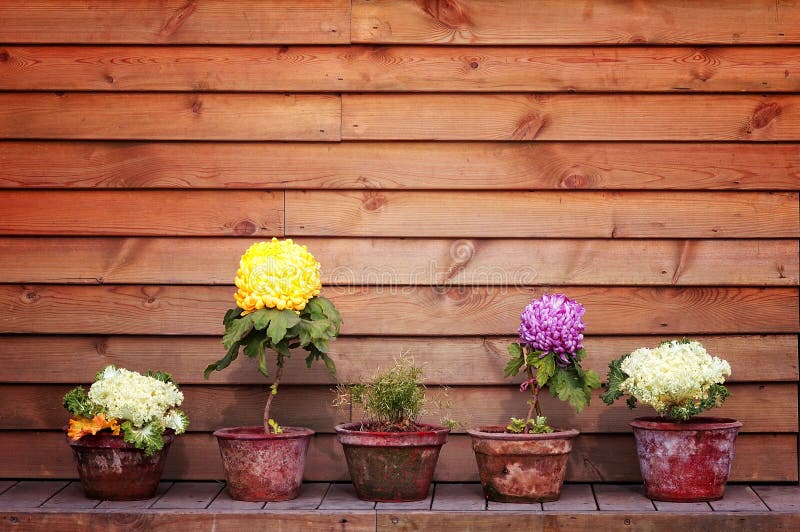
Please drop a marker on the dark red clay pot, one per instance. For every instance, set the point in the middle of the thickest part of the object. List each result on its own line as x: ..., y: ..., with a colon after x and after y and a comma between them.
x: 685, y: 462
x: 113, y: 470
x: 391, y: 466
x: 263, y: 467
x: 521, y: 468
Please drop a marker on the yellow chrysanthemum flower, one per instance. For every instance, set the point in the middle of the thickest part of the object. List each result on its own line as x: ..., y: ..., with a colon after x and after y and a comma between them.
x: 278, y: 274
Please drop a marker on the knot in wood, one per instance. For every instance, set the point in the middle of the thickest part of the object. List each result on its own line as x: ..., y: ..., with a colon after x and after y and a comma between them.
x: 765, y: 113
x: 244, y: 227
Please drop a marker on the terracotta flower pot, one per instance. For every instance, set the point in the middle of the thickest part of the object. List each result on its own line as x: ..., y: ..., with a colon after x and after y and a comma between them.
x: 263, y: 467
x: 391, y: 466
x: 685, y: 462
x: 521, y: 468
x: 113, y: 470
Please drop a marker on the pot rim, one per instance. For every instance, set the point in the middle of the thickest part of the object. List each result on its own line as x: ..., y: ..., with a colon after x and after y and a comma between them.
x: 497, y: 432
x: 256, y: 432
x: 347, y: 428
x: 695, y: 423
x: 106, y: 440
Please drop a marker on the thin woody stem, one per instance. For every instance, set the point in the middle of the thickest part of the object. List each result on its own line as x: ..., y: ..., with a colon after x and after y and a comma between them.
x: 272, y: 394
x: 534, y: 388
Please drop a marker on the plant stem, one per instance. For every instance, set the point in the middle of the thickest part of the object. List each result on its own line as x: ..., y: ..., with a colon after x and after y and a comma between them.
x: 272, y: 393
x: 534, y: 388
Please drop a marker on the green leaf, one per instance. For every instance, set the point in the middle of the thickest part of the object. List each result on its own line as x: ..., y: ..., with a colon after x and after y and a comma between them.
x: 591, y: 379
x: 517, y: 360
x: 514, y: 349
x: 615, y: 378
x: 149, y: 436
x: 261, y: 318
x: 224, y: 362
x: 546, y: 369
x: 262, y: 364
x: 236, y: 330
x: 280, y: 323
x: 231, y: 315
x: 321, y: 305
x: 567, y: 386
x: 176, y: 420
x: 159, y: 375
x: 78, y: 403
x: 329, y: 364
x: 254, y: 345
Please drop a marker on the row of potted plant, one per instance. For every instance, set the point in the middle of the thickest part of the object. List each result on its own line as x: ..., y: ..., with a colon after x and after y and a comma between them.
x: 123, y: 427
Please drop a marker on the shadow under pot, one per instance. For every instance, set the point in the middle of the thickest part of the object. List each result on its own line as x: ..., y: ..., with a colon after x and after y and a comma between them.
x: 263, y: 467
x: 112, y: 469
x: 521, y: 468
x: 391, y: 466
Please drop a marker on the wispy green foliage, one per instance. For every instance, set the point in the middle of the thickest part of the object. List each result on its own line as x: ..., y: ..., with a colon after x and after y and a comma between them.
x: 79, y: 404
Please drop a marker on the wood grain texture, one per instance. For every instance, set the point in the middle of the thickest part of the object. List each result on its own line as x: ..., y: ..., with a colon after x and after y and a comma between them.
x: 550, y: 214
x: 456, y: 311
x: 558, y: 22
x: 403, y: 165
x: 53, y: 358
x: 410, y: 261
x: 595, y: 458
x: 107, y: 212
x: 760, y: 407
x: 175, y: 21
x: 307, y: 117
x: 400, y: 69
x: 570, y: 117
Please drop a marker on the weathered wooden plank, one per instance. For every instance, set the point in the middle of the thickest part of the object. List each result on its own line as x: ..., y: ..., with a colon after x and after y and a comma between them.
x: 739, y: 499
x: 424, y: 504
x: 574, y: 498
x: 343, y: 497
x: 71, y: 497
x: 456, y: 311
x: 308, y: 117
x: 176, y: 21
x: 409, y: 261
x: 404, y: 165
x: 570, y: 117
x: 223, y: 501
x: 556, y: 22
x: 458, y: 497
x: 682, y: 507
x: 208, y: 407
x: 182, y: 520
x: 29, y: 494
x: 309, y: 497
x: 6, y: 484
x: 189, y: 495
x: 549, y: 214
x: 584, y: 521
x: 47, y: 359
x: 761, y: 407
x: 780, y: 498
x: 399, y: 69
x: 622, y: 498
x: 152, y: 212
x: 134, y: 505
x: 493, y: 506
x: 595, y: 458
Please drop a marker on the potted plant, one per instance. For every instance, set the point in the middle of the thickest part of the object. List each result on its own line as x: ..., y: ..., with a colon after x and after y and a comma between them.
x: 526, y: 461
x: 683, y: 458
x: 121, y: 430
x: 278, y: 308
x: 390, y: 455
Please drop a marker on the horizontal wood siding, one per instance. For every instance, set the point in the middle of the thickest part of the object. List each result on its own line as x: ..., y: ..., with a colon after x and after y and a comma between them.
x: 445, y: 161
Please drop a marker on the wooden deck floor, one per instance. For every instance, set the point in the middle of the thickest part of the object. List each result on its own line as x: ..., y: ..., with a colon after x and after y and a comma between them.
x: 26, y: 505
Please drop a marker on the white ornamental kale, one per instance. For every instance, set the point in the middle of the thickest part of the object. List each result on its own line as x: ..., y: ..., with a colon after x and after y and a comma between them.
x: 129, y: 395
x: 679, y: 379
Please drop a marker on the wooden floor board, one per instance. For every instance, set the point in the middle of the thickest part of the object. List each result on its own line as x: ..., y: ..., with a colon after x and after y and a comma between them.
x: 309, y: 498
x: 458, y: 497
x: 30, y: 493
x: 224, y: 501
x: 424, y: 504
x: 343, y: 497
x: 624, y: 497
x: 739, y: 499
x: 780, y: 498
x: 189, y: 495
x: 71, y: 497
x: 574, y: 498
x: 163, y: 487
x: 678, y: 507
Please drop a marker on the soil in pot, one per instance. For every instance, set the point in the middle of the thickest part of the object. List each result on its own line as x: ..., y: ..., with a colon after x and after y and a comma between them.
x: 263, y: 467
x: 391, y: 466
x: 111, y: 469
x: 685, y: 462
x: 521, y: 468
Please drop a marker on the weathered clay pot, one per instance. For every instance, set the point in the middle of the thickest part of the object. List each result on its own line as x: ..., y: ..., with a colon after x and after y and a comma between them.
x: 113, y: 470
x: 263, y: 467
x: 685, y: 462
x: 391, y: 466
x: 521, y: 468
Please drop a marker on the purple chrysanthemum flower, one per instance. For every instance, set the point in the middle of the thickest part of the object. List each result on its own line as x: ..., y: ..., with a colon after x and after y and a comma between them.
x: 552, y: 324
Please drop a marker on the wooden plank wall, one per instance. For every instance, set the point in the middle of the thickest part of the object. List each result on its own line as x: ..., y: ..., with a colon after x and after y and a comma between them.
x: 444, y: 159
